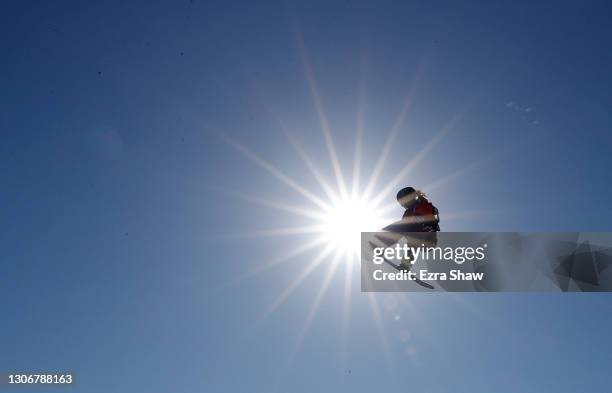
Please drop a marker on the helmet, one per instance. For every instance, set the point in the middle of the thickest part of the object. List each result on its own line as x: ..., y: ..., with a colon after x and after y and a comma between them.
x: 405, y: 196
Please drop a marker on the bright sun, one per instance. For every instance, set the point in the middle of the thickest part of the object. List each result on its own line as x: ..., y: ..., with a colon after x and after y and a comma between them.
x: 344, y: 221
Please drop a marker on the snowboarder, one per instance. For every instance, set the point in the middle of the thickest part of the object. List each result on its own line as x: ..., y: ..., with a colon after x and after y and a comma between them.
x: 420, y: 216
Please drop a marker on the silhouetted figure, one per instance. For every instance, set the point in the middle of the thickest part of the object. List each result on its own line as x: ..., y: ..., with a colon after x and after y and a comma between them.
x: 418, y: 210
x: 420, y: 222
x: 420, y: 215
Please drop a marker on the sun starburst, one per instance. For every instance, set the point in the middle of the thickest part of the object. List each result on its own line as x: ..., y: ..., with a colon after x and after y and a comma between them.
x: 344, y: 221
x: 343, y: 208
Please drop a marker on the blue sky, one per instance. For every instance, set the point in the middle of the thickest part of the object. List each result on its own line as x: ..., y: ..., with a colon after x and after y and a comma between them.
x: 123, y: 235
